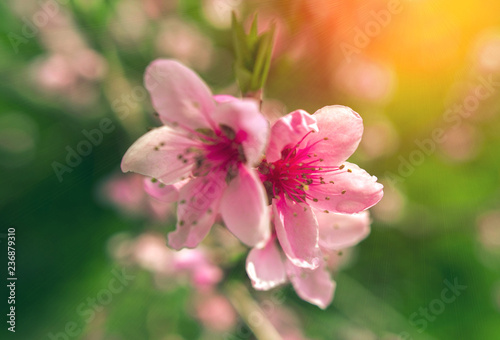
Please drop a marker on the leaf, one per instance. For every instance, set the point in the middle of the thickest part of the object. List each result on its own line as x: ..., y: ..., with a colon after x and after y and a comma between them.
x: 253, y: 55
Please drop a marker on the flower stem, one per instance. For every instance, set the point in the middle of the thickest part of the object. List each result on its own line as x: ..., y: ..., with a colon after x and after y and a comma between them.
x: 250, y: 312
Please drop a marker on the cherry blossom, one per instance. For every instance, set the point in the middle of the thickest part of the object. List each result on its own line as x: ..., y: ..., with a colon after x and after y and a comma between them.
x: 209, y: 146
x: 305, y: 169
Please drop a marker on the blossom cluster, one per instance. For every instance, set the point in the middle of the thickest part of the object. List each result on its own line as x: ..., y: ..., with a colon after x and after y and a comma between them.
x: 285, y: 190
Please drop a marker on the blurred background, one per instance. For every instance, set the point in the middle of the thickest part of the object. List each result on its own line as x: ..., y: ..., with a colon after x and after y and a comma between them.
x: 91, y: 259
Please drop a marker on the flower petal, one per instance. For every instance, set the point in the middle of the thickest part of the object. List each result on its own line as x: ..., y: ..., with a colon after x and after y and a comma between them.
x: 314, y: 286
x: 339, y: 231
x: 289, y: 130
x: 342, y: 128
x: 250, y: 126
x: 198, y: 206
x: 244, y: 208
x: 224, y: 98
x: 297, y: 231
x: 156, y: 154
x: 265, y: 267
x: 165, y: 193
x: 348, y: 190
x: 178, y: 94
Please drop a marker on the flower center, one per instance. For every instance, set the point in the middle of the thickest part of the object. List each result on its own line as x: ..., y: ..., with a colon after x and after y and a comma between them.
x: 294, y: 174
x: 221, y: 151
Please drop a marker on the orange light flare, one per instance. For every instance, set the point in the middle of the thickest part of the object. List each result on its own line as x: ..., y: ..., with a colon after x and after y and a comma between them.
x: 425, y: 37
x: 416, y: 36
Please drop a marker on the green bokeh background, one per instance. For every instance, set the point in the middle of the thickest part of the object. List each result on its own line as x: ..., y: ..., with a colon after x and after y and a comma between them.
x: 62, y: 228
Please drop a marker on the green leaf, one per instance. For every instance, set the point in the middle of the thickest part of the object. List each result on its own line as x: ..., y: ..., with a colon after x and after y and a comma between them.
x: 253, y: 55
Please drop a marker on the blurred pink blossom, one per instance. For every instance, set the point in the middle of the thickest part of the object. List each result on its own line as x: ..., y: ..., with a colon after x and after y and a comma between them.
x: 203, y: 274
x: 215, y: 312
x: 462, y: 143
x: 128, y: 195
x: 70, y: 68
x: 365, y: 79
x: 150, y: 252
x: 489, y: 230
x: 157, y: 8
x: 487, y: 51
x: 379, y: 139
x: 184, y: 42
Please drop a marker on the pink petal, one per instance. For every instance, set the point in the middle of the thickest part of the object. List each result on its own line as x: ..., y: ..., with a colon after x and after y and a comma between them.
x: 189, y: 259
x: 265, y: 267
x: 353, y: 190
x: 288, y: 131
x: 297, y: 231
x: 314, y: 286
x: 215, y: 312
x: 198, y: 206
x: 178, y: 94
x: 244, y: 208
x: 224, y: 98
x: 156, y: 154
x: 339, y: 231
x: 343, y: 129
x: 206, y: 276
x: 165, y: 193
x: 159, y: 210
x: 250, y: 126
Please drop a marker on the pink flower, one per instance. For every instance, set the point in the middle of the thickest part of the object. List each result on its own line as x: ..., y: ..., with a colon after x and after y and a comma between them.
x: 306, y: 168
x: 204, y: 275
x: 215, y: 312
x: 267, y: 269
x: 126, y: 193
x: 211, y: 145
